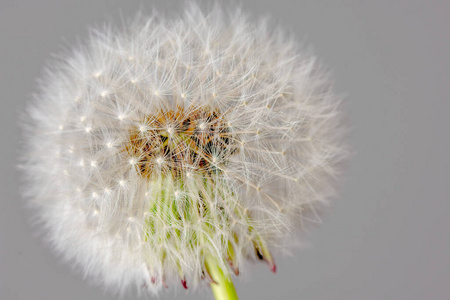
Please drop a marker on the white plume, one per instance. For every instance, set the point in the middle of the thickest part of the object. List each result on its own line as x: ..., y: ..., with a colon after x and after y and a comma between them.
x: 170, y: 140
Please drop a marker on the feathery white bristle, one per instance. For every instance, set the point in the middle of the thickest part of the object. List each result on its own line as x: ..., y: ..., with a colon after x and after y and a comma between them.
x: 266, y: 172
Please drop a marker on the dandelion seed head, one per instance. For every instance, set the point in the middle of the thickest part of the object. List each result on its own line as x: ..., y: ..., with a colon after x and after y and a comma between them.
x: 181, y: 139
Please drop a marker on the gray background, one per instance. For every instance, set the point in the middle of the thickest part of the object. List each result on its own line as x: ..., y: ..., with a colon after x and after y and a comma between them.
x: 387, y: 237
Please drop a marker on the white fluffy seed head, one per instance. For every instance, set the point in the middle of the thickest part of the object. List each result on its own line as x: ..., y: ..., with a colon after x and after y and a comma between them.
x: 168, y: 141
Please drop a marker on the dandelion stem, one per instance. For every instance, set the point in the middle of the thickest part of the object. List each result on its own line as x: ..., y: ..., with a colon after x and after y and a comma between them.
x: 223, y: 288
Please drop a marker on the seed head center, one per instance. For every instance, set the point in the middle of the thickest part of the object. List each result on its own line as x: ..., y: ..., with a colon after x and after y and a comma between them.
x: 179, y: 142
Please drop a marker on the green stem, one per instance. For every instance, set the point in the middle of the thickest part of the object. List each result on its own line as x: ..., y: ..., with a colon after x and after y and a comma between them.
x: 223, y: 288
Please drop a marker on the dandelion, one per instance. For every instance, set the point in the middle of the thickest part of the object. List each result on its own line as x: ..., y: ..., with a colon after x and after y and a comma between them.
x: 177, y: 150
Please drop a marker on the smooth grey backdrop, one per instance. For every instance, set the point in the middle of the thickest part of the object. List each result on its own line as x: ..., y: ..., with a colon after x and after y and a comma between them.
x: 388, y: 235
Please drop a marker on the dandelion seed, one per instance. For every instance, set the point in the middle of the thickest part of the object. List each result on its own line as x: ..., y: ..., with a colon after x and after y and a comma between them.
x: 104, y: 94
x: 197, y: 183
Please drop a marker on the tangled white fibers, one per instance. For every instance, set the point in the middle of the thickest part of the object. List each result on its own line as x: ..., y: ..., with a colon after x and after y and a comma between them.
x: 168, y: 147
